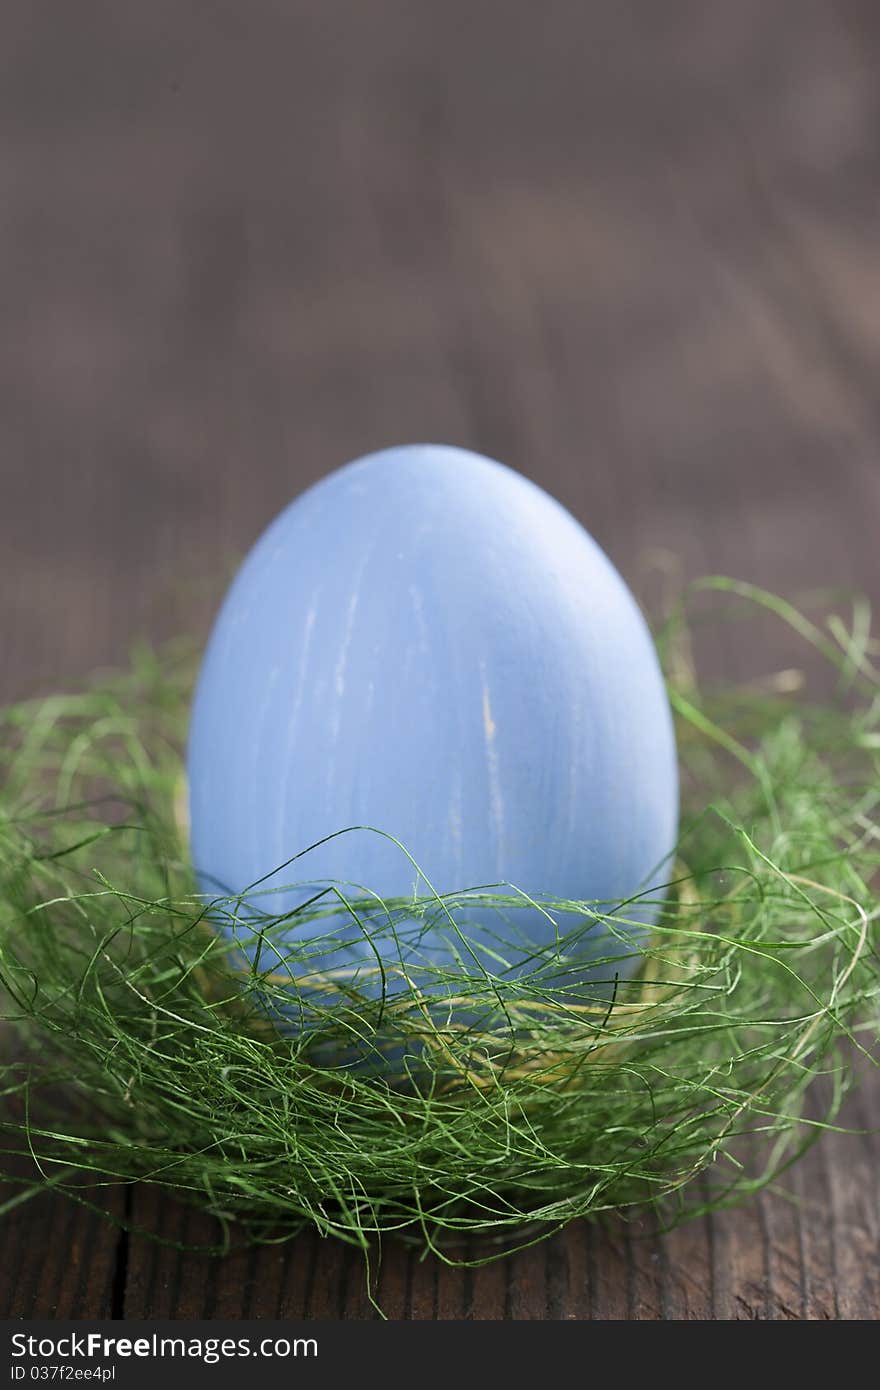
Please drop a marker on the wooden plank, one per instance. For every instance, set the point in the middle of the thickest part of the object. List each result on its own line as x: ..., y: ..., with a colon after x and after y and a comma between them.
x: 60, y: 1260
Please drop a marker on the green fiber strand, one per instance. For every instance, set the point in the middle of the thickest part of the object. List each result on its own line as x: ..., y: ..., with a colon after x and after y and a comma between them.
x: 454, y: 1100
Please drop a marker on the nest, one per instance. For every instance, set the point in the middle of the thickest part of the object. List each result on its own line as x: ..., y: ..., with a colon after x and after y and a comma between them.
x: 439, y: 1100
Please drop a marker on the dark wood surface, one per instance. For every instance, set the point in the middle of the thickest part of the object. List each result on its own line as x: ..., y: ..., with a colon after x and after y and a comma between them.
x: 631, y: 250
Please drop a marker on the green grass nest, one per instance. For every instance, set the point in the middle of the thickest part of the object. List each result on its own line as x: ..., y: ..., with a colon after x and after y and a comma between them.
x: 502, y: 1106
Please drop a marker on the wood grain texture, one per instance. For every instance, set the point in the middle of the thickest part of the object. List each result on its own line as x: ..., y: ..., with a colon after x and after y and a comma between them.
x: 630, y: 250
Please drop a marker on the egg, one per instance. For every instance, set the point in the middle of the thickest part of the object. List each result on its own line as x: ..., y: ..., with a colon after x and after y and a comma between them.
x: 427, y: 646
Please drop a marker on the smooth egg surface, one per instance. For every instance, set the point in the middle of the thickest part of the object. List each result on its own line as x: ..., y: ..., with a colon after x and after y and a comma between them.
x: 426, y: 643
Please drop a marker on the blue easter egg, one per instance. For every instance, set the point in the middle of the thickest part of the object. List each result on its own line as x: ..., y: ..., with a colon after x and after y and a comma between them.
x: 426, y: 643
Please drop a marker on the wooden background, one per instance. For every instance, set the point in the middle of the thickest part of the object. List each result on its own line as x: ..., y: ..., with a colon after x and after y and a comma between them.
x: 632, y: 250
